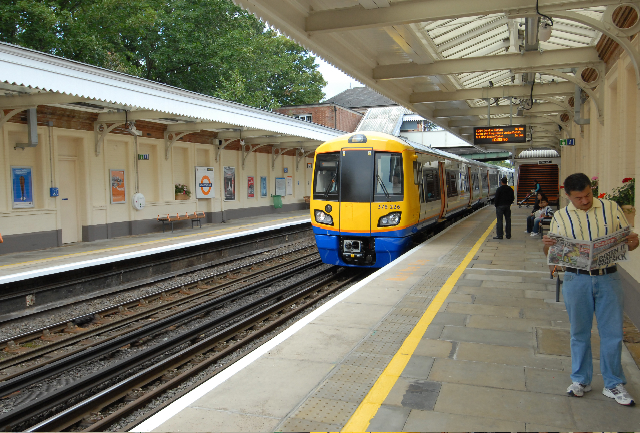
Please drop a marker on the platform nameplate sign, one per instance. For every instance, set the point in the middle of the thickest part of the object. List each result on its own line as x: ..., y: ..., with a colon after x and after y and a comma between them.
x: 568, y: 142
x: 500, y: 134
x: 545, y: 161
x: 204, y: 182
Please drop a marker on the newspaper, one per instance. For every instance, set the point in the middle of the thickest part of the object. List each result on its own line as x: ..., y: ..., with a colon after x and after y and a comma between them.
x: 599, y: 253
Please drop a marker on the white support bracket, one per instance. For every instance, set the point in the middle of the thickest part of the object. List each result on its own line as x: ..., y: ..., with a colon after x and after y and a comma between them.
x: 170, y: 139
x: 275, y: 153
x: 247, y: 149
x: 222, y: 145
x: 100, y: 131
x: 595, y: 95
x: 4, y: 118
x: 607, y: 27
x: 301, y: 154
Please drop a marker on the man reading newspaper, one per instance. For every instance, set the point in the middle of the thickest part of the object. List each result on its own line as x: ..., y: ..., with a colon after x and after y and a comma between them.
x: 592, y: 287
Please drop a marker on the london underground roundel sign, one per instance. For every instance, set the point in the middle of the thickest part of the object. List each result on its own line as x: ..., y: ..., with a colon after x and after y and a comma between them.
x: 205, y: 185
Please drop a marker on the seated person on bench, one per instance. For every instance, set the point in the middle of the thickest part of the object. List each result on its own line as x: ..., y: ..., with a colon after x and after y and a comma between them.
x: 530, y: 218
x: 544, y: 212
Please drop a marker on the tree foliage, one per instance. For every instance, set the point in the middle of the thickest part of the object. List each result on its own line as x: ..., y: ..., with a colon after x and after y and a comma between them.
x: 207, y: 46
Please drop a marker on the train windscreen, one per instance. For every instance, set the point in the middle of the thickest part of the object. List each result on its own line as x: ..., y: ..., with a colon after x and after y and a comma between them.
x: 326, y: 176
x: 389, y: 177
x: 356, y: 176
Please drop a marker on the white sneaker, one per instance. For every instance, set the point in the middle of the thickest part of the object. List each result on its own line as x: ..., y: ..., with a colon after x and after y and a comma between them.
x: 534, y: 234
x: 619, y: 394
x: 576, y: 389
x: 527, y: 231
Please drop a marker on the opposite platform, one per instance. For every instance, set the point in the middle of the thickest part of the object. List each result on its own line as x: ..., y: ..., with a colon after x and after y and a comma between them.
x: 20, y: 266
x: 491, y: 355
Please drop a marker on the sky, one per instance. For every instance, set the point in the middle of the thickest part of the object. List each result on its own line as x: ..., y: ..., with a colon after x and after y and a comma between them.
x: 337, y: 81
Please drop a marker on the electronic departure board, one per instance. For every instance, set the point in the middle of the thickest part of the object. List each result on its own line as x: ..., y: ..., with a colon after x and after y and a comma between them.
x: 500, y: 134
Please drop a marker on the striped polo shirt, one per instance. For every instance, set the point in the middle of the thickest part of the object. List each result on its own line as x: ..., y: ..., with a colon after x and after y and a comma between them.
x: 604, y: 217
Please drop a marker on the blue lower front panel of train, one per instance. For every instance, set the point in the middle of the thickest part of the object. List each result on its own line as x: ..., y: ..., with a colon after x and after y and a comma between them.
x: 374, y: 252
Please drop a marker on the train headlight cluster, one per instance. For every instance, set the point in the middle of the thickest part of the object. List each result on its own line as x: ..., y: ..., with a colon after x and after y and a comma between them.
x: 392, y: 219
x: 323, y: 218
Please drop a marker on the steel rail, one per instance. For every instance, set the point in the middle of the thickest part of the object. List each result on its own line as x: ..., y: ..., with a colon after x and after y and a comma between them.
x: 119, y: 390
x: 16, y: 384
x: 74, y: 338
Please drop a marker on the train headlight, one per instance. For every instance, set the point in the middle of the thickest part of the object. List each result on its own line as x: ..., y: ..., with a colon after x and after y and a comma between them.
x: 392, y: 219
x: 323, y: 218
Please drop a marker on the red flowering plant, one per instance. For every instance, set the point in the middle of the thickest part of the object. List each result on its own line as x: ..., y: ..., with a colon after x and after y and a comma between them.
x: 183, y: 189
x: 625, y: 194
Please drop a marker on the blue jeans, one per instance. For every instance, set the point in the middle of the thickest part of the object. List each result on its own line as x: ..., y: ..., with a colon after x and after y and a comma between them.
x: 583, y: 295
x: 536, y: 225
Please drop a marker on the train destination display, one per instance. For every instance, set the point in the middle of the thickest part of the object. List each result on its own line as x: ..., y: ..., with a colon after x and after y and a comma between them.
x: 500, y: 134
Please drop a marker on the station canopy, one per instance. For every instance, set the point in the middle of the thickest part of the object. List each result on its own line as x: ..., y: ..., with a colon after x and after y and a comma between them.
x: 467, y: 63
x: 30, y: 79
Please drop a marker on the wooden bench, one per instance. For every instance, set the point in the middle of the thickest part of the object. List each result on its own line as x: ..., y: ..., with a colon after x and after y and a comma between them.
x: 194, y: 217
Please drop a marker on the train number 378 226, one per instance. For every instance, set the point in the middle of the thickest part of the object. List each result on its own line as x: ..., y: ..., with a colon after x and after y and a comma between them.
x: 388, y: 206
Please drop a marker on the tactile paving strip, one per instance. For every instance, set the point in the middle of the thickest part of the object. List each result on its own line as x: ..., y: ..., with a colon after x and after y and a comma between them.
x: 341, y: 390
x: 360, y: 370
x: 327, y: 410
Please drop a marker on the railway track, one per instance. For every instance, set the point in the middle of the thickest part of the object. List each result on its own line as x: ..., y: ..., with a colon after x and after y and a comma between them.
x: 22, y: 349
x: 196, y: 350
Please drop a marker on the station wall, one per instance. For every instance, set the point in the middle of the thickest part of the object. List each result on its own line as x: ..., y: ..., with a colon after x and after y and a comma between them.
x: 84, y: 210
x: 609, y: 149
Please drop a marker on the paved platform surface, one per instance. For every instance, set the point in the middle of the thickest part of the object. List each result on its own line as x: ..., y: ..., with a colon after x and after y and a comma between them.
x: 33, y: 260
x: 495, y: 356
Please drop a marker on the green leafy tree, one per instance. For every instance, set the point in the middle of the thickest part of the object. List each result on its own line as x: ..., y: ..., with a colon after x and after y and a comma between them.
x: 207, y: 46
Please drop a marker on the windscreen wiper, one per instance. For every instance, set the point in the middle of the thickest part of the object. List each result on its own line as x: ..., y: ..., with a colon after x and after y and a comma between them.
x: 328, y: 188
x: 384, y: 188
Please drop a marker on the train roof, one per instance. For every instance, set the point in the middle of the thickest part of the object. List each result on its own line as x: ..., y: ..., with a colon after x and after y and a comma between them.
x: 337, y: 143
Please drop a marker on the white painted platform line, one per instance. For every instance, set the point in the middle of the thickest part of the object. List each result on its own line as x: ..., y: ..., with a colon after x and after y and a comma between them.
x: 119, y: 257
x: 173, y: 409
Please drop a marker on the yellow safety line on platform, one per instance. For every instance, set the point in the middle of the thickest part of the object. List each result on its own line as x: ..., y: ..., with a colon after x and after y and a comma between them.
x: 359, y: 421
x: 84, y: 253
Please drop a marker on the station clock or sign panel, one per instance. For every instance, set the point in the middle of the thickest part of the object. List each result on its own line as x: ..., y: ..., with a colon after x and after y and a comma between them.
x: 500, y: 134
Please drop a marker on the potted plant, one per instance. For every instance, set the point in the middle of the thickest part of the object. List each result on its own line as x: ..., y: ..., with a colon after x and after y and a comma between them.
x: 594, y: 186
x: 182, y: 192
x: 625, y: 196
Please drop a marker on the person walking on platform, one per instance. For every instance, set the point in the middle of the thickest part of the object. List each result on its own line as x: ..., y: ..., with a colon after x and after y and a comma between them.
x: 598, y: 290
x: 503, y: 200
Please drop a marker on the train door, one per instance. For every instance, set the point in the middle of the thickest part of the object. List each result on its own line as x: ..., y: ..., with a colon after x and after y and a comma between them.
x: 430, y: 196
x: 443, y: 188
x: 356, y: 190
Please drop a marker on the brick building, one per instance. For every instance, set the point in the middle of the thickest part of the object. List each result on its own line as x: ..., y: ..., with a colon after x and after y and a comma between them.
x: 326, y: 114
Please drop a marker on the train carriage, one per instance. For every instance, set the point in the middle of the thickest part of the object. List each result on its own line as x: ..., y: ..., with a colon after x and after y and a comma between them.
x: 373, y: 192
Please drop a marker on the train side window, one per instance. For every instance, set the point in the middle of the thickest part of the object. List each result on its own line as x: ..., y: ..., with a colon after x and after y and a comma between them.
x: 431, y: 186
x: 452, y: 186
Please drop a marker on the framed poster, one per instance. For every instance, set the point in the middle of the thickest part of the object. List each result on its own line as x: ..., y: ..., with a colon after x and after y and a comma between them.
x: 250, y: 187
x: 309, y: 164
x: 204, y: 182
x: 118, y: 193
x: 22, y: 187
x: 229, y: 183
x: 289, y: 185
x: 280, y: 186
x: 263, y: 186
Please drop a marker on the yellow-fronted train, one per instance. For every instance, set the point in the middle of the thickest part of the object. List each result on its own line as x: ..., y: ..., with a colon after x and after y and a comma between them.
x: 373, y: 193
